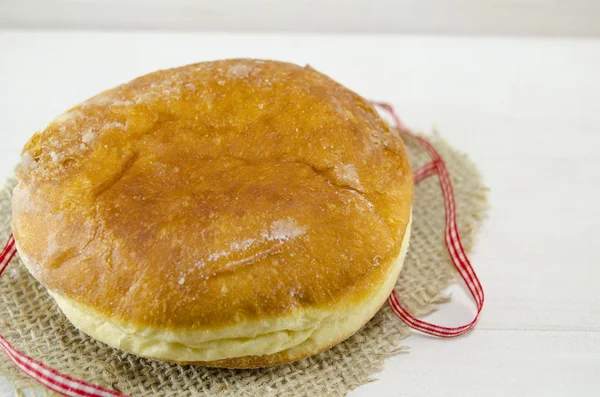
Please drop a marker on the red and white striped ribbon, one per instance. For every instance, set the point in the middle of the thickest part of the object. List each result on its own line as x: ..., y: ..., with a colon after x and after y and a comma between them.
x: 7, y: 253
x: 43, y: 374
x: 69, y: 386
x: 455, y: 248
x: 52, y: 379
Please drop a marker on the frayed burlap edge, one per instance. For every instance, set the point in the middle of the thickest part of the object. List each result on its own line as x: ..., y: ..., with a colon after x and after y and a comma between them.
x: 34, y: 325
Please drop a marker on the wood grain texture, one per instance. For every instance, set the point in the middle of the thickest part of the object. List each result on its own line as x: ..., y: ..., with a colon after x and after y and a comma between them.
x: 463, y: 17
x: 524, y: 110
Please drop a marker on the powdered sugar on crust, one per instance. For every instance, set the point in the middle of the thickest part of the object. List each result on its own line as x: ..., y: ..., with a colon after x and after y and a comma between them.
x: 52, y: 249
x: 241, y: 245
x: 22, y: 199
x: 284, y: 229
x: 55, y: 157
x: 199, y: 264
x: 216, y: 255
x: 279, y: 231
x: 275, y: 237
x: 239, y: 71
x: 347, y: 174
x: 88, y: 137
x: 113, y: 125
x: 28, y: 163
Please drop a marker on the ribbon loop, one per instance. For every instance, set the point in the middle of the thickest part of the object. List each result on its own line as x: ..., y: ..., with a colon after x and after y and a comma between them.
x: 456, y: 250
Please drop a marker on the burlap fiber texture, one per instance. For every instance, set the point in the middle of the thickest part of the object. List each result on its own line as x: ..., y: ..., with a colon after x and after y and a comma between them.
x: 33, y: 324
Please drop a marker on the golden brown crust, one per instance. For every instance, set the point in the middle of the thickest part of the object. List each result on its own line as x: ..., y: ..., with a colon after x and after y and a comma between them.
x: 214, y: 193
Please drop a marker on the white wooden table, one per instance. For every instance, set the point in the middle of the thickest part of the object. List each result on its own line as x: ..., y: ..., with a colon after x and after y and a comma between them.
x: 526, y: 110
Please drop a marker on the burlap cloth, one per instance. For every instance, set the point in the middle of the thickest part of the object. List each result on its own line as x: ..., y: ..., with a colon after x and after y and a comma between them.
x: 33, y: 324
